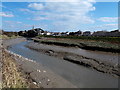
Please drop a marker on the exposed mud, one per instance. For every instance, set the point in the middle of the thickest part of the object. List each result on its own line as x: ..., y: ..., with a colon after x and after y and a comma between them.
x: 80, y: 45
x: 33, y: 73
x: 80, y: 60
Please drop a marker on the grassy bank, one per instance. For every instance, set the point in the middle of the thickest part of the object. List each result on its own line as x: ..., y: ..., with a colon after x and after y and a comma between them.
x: 11, y: 76
x: 104, y: 39
x: 88, y: 44
x: 7, y: 37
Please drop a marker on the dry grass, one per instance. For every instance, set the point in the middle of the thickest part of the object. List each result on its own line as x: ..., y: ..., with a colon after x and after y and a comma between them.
x: 11, y: 77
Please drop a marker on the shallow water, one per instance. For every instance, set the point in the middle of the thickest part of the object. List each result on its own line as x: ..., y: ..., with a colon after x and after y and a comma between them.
x: 80, y: 76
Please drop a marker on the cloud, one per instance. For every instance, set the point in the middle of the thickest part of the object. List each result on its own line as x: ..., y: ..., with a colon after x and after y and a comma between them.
x: 61, y: 16
x: 115, y: 25
x: 68, y: 0
x: 111, y: 26
x: 26, y: 10
x: 108, y: 19
x: 40, y: 18
x: 15, y: 25
x: 36, y: 6
x: 12, y: 22
x: 67, y: 14
x: 18, y: 22
x: 3, y: 14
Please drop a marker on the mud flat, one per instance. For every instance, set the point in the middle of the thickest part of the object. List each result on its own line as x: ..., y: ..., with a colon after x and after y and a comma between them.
x: 76, y: 74
x: 87, y: 45
x: 98, y: 65
x: 36, y: 74
x: 8, y: 42
x: 40, y: 76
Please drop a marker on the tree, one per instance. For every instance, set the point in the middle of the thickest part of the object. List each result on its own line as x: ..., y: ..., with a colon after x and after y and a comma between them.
x: 20, y: 33
x: 31, y: 33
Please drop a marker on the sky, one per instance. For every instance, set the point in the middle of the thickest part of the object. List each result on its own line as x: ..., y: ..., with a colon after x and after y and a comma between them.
x: 84, y: 15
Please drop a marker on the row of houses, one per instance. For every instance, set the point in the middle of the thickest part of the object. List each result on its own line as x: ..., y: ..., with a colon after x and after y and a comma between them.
x: 115, y: 33
x: 39, y: 31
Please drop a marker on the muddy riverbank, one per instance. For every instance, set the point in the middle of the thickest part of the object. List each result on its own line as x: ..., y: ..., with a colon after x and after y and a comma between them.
x: 8, y: 42
x: 40, y: 76
x: 84, y: 44
x: 92, y: 63
x: 11, y: 76
x: 34, y: 72
x: 78, y: 75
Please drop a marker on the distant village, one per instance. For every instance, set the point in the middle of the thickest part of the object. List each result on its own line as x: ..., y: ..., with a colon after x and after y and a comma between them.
x: 38, y: 31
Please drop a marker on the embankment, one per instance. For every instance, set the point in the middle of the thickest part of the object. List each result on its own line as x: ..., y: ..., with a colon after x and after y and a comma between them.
x: 11, y: 74
x: 12, y: 77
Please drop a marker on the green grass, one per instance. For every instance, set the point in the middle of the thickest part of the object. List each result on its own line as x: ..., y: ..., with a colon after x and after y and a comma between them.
x: 101, y: 44
x: 87, y: 43
x: 104, y: 39
x: 97, y: 43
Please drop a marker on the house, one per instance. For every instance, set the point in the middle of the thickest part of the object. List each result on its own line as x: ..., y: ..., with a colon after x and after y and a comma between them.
x: 39, y: 31
x: 86, y: 33
x: 48, y: 33
x: 99, y: 33
x: 64, y: 34
x: 78, y: 33
x: 56, y: 34
x: 115, y: 33
x: 45, y: 33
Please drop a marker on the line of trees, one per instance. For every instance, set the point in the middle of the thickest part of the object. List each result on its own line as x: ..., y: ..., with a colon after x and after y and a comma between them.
x: 29, y: 33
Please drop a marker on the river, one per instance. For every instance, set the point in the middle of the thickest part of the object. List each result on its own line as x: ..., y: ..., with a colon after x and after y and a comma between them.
x: 79, y: 76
